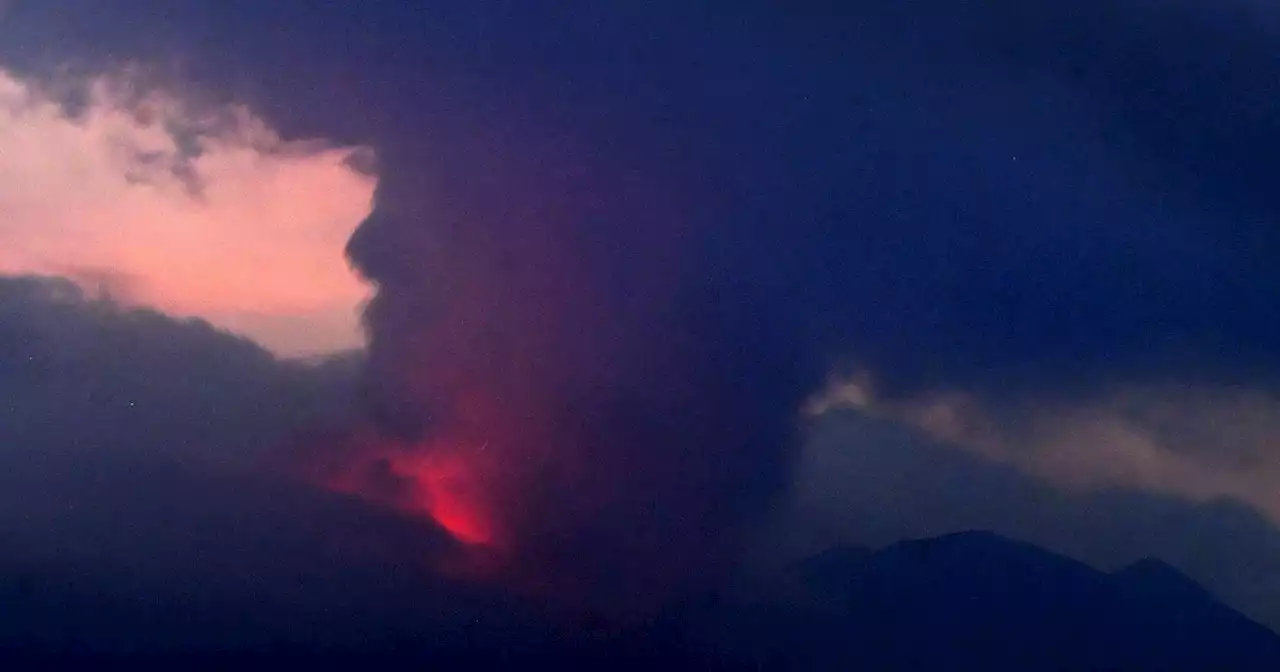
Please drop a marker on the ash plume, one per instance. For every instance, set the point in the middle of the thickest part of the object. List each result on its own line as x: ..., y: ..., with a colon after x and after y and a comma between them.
x: 605, y: 291
x: 550, y: 334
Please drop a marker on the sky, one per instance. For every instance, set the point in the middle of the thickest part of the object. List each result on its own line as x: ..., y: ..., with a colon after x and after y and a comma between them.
x: 704, y: 272
x: 201, y: 211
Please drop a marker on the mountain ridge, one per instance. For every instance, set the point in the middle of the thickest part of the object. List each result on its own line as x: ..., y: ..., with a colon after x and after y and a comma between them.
x: 967, y: 600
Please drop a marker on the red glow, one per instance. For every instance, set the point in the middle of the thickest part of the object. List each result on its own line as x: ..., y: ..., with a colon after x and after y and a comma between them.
x: 448, y: 482
x: 448, y: 488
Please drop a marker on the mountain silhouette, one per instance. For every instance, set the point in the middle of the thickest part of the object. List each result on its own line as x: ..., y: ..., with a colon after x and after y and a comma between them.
x: 1158, y: 580
x: 970, y: 600
x: 975, y: 600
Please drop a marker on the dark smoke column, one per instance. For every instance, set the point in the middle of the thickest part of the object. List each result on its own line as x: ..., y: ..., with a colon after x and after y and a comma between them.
x: 555, y: 358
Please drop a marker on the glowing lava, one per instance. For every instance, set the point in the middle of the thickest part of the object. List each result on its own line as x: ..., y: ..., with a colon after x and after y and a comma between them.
x: 448, y: 482
x: 449, y: 489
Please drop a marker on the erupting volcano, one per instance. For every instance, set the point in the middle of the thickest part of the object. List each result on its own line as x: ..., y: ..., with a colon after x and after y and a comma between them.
x: 447, y: 482
x: 449, y: 489
x: 561, y: 377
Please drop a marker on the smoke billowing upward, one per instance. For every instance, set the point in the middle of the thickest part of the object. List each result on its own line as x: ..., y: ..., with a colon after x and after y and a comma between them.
x: 556, y: 377
x: 603, y: 298
x: 620, y: 252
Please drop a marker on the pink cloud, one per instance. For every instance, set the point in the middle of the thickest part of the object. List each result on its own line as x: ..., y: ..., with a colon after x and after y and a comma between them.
x: 200, y: 212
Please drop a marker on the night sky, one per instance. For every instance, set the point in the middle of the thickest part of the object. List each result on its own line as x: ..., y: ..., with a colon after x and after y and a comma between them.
x: 605, y: 302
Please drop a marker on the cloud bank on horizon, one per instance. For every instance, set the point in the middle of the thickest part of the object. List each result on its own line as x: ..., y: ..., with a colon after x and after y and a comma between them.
x: 198, y: 210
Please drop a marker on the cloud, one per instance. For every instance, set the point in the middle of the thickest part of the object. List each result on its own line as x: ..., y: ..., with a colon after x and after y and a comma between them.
x: 672, y: 258
x: 871, y: 480
x: 143, y: 515
x: 130, y: 486
x: 1183, y: 471
x: 86, y: 376
x: 545, y: 365
x: 201, y: 211
x: 1201, y: 443
x: 1020, y: 220
x: 140, y: 507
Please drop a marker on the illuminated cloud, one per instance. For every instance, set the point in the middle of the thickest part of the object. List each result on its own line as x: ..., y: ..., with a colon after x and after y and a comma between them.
x: 199, y: 212
x: 1198, y: 442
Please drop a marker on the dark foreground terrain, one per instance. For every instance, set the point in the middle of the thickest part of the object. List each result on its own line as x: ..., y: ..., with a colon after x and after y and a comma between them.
x: 962, y: 601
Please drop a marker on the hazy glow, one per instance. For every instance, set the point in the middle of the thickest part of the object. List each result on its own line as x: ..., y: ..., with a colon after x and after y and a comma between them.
x: 199, y: 212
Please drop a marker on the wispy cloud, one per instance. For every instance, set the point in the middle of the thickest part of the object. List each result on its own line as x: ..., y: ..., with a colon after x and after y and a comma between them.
x: 1196, y: 441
